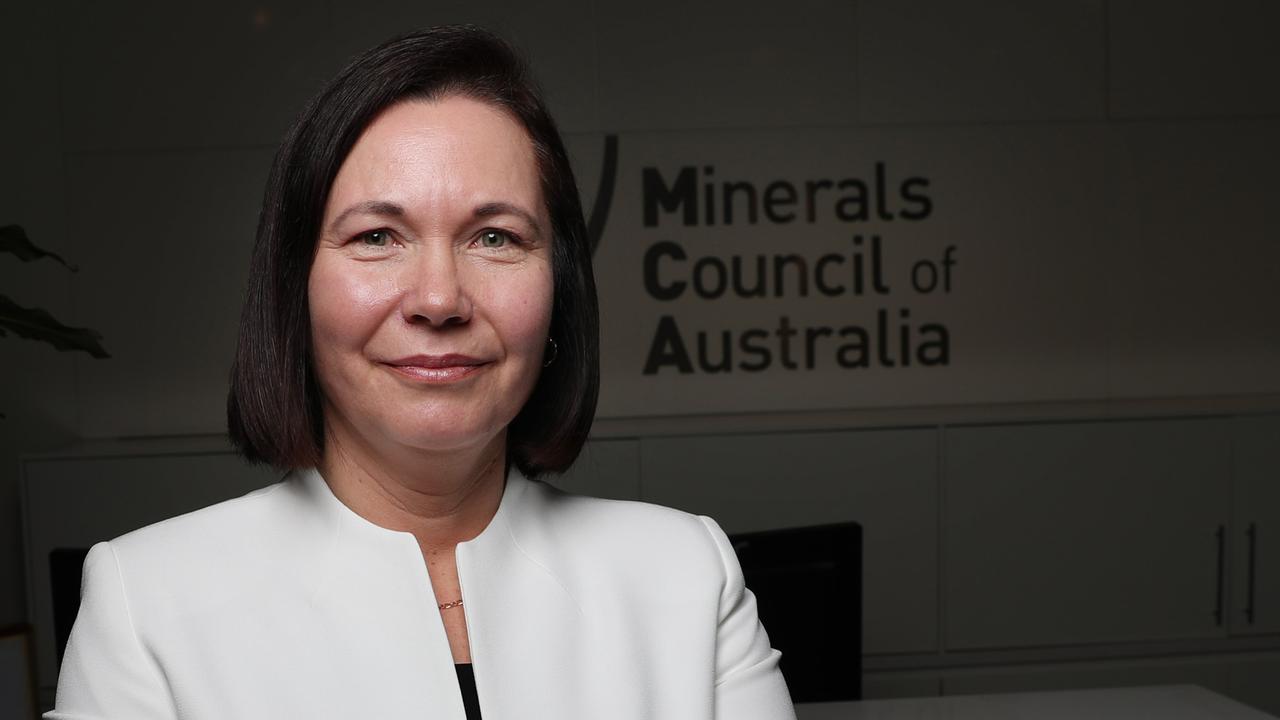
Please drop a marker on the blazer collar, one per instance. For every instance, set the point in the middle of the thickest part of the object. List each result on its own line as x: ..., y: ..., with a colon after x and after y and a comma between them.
x: 519, y: 612
x: 319, y: 497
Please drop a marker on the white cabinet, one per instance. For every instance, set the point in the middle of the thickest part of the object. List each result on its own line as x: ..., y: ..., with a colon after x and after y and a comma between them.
x: 1079, y: 533
x: 606, y: 469
x: 885, y: 480
x: 1255, y: 536
x: 984, y: 546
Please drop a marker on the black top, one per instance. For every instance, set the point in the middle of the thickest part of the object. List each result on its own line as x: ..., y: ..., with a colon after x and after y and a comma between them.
x: 467, y: 681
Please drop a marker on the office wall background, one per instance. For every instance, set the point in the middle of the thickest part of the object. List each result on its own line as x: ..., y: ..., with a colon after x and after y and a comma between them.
x: 136, y: 139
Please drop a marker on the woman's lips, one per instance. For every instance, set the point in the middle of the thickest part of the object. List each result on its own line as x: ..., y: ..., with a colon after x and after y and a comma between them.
x: 436, y: 368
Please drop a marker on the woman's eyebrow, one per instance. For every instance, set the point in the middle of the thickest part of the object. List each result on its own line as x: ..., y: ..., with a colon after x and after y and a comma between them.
x: 369, y: 207
x: 502, y: 208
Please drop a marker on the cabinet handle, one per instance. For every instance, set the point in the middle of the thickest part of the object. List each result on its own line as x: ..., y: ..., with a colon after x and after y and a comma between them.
x: 1252, y: 534
x: 1221, y: 536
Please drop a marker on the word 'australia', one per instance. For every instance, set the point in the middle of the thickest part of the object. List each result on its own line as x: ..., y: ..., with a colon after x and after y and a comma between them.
x: 889, y: 344
x: 697, y: 198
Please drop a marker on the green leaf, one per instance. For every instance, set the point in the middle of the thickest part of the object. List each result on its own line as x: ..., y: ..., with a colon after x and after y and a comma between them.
x: 36, y: 324
x: 13, y: 239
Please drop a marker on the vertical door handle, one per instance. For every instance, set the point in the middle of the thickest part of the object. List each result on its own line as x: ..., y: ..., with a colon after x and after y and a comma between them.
x: 1221, y: 536
x: 1251, y: 593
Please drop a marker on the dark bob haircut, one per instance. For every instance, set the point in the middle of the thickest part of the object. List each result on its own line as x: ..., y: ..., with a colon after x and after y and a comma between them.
x: 274, y: 407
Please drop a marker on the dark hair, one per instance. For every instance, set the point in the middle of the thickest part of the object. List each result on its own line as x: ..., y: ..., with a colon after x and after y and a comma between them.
x: 274, y: 410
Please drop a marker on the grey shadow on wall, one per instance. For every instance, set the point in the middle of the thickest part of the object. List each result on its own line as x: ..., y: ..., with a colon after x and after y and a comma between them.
x: 604, y: 193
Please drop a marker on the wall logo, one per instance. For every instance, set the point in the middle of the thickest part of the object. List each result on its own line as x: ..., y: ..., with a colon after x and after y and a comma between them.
x: 698, y: 251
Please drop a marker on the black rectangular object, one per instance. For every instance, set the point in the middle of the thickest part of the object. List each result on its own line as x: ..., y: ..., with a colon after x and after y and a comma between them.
x: 66, y: 569
x: 808, y: 587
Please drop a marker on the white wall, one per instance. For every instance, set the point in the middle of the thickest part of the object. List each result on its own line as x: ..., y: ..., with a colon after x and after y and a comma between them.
x: 136, y: 139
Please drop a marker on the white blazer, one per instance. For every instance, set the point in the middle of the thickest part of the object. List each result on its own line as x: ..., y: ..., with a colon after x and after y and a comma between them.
x: 284, y: 603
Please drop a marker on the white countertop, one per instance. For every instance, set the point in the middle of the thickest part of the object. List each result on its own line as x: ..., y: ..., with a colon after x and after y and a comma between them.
x: 1165, y: 702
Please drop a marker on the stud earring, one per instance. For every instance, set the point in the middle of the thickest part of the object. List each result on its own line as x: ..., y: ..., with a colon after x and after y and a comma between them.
x: 555, y: 350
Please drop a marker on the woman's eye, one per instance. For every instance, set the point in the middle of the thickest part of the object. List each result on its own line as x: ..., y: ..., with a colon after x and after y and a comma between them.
x: 376, y: 238
x: 494, y: 238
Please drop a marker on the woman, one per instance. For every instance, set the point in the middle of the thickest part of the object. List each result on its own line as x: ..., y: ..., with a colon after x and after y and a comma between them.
x: 419, y: 343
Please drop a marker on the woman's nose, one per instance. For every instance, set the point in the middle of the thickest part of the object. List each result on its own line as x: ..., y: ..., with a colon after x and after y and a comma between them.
x: 435, y: 292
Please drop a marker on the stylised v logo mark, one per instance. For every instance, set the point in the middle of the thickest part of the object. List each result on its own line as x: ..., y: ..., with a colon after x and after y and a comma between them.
x: 604, y: 193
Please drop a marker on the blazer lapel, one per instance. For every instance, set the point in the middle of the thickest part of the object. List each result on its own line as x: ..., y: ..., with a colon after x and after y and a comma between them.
x: 388, y: 652
x: 524, y: 626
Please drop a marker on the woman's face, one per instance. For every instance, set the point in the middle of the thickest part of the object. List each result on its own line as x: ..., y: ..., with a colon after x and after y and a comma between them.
x: 431, y: 287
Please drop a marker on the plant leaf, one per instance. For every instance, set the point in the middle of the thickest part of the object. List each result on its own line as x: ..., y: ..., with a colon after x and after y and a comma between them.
x: 13, y: 239
x: 36, y: 324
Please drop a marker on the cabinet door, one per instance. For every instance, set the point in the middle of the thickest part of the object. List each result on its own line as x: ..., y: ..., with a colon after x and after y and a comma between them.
x: 606, y: 469
x: 884, y: 480
x: 1077, y: 533
x: 1256, y: 526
